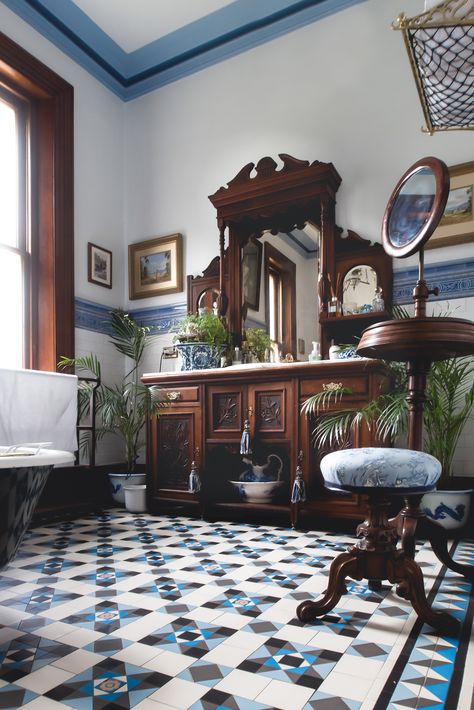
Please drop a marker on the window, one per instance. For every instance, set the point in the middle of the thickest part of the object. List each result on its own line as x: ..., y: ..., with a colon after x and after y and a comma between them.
x: 280, y: 298
x: 274, y: 304
x: 36, y: 212
x: 14, y: 253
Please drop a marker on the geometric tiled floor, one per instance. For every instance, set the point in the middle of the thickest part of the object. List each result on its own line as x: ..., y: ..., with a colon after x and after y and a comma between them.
x: 121, y: 610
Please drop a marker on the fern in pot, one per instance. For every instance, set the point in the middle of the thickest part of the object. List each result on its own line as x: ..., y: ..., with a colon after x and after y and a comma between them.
x: 123, y: 408
x: 448, y: 409
x: 202, y: 339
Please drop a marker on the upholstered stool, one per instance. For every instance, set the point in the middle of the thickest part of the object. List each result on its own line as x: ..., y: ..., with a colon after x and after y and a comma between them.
x: 380, y: 474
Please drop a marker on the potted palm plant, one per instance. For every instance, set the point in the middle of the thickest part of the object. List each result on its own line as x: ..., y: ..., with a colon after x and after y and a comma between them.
x: 122, y: 408
x: 448, y: 408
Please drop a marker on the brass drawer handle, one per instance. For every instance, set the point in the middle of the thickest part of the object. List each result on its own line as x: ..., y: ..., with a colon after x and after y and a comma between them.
x: 333, y: 387
x: 174, y: 396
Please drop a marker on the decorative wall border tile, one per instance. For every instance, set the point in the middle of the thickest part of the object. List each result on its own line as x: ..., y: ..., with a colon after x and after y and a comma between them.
x: 95, y: 316
x: 455, y: 279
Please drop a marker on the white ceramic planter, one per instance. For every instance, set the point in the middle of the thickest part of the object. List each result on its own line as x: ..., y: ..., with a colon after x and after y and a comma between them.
x: 135, y: 498
x: 119, y: 480
x: 449, y: 508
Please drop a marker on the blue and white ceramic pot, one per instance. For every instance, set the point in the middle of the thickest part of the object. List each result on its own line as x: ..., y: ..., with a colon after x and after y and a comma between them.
x: 199, y: 356
x: 119, y: 480
x: 449, y: 508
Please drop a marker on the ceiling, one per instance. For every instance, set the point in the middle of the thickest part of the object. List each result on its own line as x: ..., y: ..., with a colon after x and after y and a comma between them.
x: 136, y: 46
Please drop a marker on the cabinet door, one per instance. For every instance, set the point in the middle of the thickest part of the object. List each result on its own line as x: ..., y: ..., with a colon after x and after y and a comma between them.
x: 226, y: 411
x: 175, y: 435
x: 270, y: 407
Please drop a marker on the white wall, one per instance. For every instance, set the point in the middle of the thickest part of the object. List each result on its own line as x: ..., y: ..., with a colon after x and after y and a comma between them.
x: 98, y: 190
x: 98, y: 160
x: 339, y: 90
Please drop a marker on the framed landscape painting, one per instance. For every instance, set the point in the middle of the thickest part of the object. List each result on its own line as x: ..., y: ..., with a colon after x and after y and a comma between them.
x: 155, y: 267
x: 99, y: 265
x: 457, y: 224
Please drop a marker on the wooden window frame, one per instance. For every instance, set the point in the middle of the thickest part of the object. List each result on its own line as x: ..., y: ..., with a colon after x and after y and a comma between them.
x: 51, y: 224
x: 276, y: 261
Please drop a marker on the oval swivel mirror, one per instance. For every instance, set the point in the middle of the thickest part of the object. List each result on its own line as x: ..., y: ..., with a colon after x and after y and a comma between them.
x: 415, y: 207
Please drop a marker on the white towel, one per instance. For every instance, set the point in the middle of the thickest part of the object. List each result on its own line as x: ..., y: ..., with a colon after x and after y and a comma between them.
x: 38, y: 406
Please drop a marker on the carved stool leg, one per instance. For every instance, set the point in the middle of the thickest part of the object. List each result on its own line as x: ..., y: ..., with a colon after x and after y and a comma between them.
x: 344, y: 565
x: 375, y: 585
x: 408, y: 573
x: 438, y: 538
x: 411, y: 520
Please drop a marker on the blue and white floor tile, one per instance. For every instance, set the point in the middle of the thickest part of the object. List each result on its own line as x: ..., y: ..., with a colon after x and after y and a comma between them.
x: 116, y: 610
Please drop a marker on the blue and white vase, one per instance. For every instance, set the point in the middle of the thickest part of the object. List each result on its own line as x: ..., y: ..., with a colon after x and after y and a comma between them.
x: 199, y: 356
x: 119, y: 480
x: 448, y: 508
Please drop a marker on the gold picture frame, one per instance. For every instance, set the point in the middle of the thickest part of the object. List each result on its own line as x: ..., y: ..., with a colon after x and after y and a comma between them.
x: 155, y: 267
x: 457, y: 224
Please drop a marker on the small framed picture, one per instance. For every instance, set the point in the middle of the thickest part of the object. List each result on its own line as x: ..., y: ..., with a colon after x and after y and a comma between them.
x: 155, y: 267
x: 99, y: 265
x: 457, y: 224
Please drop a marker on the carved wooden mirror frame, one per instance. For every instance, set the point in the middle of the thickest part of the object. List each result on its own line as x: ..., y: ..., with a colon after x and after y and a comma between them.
x: 278, y: 200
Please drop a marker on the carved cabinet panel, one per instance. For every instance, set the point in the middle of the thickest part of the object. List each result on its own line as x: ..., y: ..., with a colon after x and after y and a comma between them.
x: 226, y: 411
x: 269, y: 407
x: 174, y: 438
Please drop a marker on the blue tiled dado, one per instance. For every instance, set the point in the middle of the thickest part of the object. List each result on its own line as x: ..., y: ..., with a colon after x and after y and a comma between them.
x: 95, y: 316
x: 454, y: 279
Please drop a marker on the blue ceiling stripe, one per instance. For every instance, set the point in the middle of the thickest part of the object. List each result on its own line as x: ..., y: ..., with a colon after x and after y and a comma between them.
x: 231, y: 21
x: 234, y: 47
x: 73, y: 36
x: 85, y: 30
x: 172, y: 56
x: 233, y: 29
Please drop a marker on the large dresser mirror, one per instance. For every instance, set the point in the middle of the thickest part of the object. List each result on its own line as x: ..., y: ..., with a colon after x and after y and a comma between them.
x: 283, y: 259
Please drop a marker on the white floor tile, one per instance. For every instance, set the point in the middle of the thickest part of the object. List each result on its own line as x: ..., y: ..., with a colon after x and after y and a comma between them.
x: 169, y: 663
x: 80, y: 637
x: 245, y: 640
x: 138, y: 654
x: 144, y: 626
x: 149, y: 704
x: 352, y: 687
x: 284, y: 696
x: 42, y: 703
x: 44, y: 679
x: 359, y: 667
x: 179, y: 693
x: 243, y: 684
x: 78, y: 661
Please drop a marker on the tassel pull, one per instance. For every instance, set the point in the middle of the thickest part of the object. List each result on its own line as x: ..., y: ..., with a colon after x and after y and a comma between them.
x: 245, y: 441
x: 194, y: 477
x: 298, y: 494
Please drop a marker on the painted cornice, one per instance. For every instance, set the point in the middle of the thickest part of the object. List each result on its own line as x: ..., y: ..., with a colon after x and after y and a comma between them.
x: 233, y: 29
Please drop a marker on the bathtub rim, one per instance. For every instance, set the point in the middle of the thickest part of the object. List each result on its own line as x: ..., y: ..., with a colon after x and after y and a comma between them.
x: 45, y: 457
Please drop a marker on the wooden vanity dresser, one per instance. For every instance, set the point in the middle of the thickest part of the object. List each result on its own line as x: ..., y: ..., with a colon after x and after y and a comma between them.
x: 205, y: 420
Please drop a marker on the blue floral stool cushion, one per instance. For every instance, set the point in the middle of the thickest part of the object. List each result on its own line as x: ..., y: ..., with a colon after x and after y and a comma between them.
x: 394, y: 470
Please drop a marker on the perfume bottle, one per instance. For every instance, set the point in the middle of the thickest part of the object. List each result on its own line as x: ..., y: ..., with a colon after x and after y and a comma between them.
x: 334, y: 308
x: 315, y: 353
x: 378, y: 303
